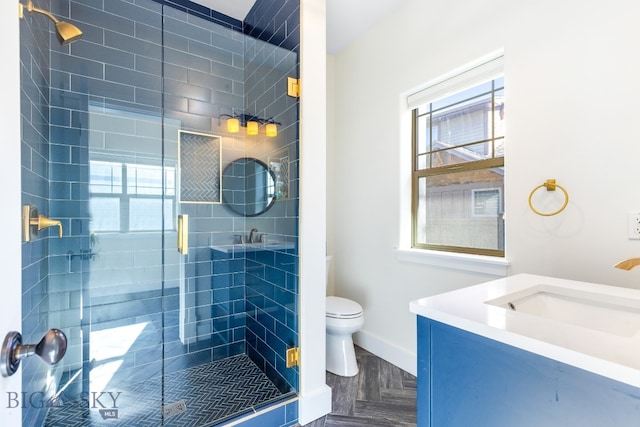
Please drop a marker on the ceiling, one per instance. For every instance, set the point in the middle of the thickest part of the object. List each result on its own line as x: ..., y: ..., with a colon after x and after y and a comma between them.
x: 346, y: 19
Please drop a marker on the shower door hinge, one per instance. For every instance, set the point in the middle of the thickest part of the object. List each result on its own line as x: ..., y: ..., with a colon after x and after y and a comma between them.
x: 293, y: 357
x: 293, y: 87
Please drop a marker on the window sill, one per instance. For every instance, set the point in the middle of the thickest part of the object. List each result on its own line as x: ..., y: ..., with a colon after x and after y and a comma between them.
x: 476, y: 263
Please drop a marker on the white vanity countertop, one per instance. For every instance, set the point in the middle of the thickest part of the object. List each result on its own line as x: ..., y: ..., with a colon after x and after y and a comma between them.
x: 609, y: 354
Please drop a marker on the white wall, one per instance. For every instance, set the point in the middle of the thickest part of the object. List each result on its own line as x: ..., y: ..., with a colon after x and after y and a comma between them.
x: 572, y: 90
x: 315, y: 395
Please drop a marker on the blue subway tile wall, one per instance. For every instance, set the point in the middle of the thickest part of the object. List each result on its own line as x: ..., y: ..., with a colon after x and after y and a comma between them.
x: 276, y: 22
x: 34, y: 107
x: 124, y: 96
x: 272, y: 275
x: 117, y: 278
x: 194, y: 9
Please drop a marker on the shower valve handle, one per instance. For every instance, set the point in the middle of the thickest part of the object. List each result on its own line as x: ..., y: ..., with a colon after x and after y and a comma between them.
x: 43, y: 222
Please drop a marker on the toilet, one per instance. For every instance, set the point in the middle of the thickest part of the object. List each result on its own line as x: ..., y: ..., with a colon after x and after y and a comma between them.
x: 343, y: 317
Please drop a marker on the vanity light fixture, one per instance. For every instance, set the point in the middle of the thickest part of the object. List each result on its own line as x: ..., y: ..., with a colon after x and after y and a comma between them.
x: 252, y: 123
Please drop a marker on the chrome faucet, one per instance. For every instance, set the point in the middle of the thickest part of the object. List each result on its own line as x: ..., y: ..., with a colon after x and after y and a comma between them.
x: 628, y: 264
x: 252, y: 239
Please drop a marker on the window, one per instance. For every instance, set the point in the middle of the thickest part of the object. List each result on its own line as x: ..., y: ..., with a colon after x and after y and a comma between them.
x: 458, y: 162
x: 129, y: 197
x: 486, y: 202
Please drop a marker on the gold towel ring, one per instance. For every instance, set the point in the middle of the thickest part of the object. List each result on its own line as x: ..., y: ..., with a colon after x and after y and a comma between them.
x: 550, y: 185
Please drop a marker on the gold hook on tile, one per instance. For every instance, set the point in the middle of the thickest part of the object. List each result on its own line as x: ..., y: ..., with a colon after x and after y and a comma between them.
x: 32, y: 223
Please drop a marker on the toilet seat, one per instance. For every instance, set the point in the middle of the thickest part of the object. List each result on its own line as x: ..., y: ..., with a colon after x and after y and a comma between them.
x: 342, y: 308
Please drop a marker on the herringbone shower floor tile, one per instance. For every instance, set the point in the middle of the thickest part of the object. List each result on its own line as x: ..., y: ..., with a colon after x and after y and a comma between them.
x: 211, y: 393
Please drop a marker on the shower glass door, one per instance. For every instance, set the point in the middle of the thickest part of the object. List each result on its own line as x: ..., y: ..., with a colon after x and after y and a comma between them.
x: 125, y: 143
x: 109, y: 185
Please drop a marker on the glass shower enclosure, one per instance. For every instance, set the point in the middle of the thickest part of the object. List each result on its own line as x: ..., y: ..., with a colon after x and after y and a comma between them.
x: 175, y: 278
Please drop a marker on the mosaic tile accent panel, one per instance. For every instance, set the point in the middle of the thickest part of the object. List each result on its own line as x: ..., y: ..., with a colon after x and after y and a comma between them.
x: 201, y: 396
x: 200, y: 164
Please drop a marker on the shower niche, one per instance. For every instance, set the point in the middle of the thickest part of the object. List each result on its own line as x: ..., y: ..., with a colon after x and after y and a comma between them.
x: 127, y: 135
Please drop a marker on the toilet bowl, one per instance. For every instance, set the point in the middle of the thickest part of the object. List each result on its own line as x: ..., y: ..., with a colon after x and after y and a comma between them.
x: 343, y: 318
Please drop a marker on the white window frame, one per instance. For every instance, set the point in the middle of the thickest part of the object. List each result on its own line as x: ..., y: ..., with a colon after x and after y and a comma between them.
x: 486, y: 69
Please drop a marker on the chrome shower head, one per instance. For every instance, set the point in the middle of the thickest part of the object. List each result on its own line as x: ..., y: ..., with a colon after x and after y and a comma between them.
x: 66, y: 32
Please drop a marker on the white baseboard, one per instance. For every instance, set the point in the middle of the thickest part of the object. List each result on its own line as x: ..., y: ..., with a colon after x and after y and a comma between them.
x: 314, y: 405
x: 398, y: 356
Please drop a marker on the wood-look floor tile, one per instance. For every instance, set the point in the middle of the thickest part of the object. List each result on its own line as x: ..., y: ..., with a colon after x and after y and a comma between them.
x: 369, y: 378
x: 405, y: 413
x: 343, y: 394
x: 344, y: 421
x: 381, y: 395
x: 390, y: 376
x: 399, y: 397
x: 320, y: 422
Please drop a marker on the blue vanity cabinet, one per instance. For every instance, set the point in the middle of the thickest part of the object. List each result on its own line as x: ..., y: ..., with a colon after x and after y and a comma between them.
x: 468, y: 380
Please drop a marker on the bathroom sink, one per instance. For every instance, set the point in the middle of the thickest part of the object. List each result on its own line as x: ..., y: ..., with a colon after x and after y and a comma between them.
x: 601, y: 312
x: 592, y: 326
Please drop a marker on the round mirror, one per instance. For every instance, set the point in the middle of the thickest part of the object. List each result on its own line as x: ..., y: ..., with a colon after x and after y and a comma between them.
x: 247, y: 186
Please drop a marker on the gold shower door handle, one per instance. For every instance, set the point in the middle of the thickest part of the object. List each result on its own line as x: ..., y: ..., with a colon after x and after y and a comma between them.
x: 183, y: 234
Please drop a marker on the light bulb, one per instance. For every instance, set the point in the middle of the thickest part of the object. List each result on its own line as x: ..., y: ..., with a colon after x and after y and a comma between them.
x: 272, y: 130
x: 233, y: 125
x: 252, y: 128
